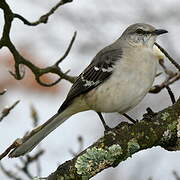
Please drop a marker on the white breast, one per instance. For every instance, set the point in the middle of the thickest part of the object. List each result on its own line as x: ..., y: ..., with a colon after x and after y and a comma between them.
x: 129, y: 83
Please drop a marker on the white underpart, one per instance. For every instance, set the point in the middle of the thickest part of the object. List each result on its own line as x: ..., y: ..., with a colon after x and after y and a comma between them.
x: 130, y: 81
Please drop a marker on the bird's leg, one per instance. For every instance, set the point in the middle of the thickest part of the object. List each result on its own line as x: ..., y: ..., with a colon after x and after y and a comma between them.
x: 150, y: 113
x: 129, y: 118
x: 106, y: 127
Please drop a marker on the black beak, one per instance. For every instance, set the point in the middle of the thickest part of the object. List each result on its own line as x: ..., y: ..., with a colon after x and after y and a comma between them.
x: 159, y: 32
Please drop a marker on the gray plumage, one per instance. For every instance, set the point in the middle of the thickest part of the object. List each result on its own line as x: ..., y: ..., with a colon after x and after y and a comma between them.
x: 116, y: 80
x: 96, y: 73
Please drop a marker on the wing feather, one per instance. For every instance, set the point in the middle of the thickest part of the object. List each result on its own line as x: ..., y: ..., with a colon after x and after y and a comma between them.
x: 99, y: 70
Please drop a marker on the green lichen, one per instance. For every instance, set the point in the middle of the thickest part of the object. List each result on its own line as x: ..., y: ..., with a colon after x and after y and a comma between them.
x: 166, y: 135
x: 96, y: 159
x: 61, y: 178
x: 172, y: 126
x: 178, y: 127
x: 133, y: 147
x: 111, y: 133
x: 165, y: 116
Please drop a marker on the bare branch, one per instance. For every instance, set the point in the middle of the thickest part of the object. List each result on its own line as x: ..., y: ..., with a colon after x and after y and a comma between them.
x: 161, y: 129
x: 168, y: 56
x: 44, y: 18
x: 7, y: 110
x: 68, y: 49
x: 81, y: 144
x: 12, y: 146
x: 8, y: 173
x: 27, y: 161
x: 3, y: 92
x: 166, y: 83
x: 173, y: 100
x: 155, y: 129
x: 171, y: 76
x: 20, y: 61
x: 176, y: 175
x: 166, y: 70
x: 34, y: 116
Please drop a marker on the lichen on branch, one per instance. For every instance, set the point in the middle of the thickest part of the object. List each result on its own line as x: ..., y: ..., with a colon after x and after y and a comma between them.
x: 161, y: 129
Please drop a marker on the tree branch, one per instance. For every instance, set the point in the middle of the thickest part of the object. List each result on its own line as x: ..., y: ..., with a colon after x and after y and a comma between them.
x: 7, y: 110
x: 3, y: 92
x: 161, y: 129
x: 171, y: 76
x: 44, y: 18
x: 168, y: 56
x: 168, y: 81
x: 20, y: 60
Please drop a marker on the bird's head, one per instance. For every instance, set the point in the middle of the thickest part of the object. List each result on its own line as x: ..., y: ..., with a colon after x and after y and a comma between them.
x: 141, y: 34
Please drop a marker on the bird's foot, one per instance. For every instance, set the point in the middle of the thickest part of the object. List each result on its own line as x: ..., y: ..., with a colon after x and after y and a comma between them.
x: 150, y: 113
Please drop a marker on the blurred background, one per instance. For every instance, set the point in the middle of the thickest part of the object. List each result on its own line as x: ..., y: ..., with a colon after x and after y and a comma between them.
x: 98, y: 23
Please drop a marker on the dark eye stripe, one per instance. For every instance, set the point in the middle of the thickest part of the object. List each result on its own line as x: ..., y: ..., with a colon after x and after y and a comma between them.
x: 140, y: 31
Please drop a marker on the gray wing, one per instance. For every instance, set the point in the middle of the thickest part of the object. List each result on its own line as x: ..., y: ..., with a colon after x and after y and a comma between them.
x: 99, y: 70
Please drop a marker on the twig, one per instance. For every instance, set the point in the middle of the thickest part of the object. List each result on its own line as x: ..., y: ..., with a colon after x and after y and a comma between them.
x: 34, y: 116
x: 68, y: 49
x: 171, y: 76
x: 166, y: 70
x: 44, y: 18
x: 168, y: 56
x: 20, y: 60
x: 8, y: 173
x: 28, y: 161
x: 176, y: 175
x: 170, y: 80
x: 173, y: 100
x: 81, y: 144
x: 12, y: 146
x: 7, y: 110
x: 3, y: 92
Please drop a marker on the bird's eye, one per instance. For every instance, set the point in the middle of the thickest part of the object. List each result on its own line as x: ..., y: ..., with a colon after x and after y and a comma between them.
x: 140, y: 31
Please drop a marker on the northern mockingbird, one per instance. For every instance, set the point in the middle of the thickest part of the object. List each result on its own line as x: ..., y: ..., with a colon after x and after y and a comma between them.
x: 116, y: 80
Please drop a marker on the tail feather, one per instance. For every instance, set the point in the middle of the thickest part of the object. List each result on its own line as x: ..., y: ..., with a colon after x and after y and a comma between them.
x: 30, y: 141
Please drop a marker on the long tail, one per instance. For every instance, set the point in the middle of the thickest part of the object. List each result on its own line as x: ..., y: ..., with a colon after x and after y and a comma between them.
x: 30, y: 141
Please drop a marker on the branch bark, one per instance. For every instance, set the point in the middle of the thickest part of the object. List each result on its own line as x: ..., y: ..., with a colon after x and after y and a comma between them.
x: 155, y: 129
x: 19, y: 60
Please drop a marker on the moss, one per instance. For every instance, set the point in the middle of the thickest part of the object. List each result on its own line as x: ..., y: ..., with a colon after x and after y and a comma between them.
x: 96, y: 159
x: 165, y: 116
x: 111, y: 133
x: 178, y: 127
x: 169, y: 133
x: 133, y: 147
x: 60, y: 178
x: 166, y: 135
x: 172, y: 126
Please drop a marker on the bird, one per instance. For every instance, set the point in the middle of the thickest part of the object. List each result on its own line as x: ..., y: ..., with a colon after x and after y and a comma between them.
x: 116, y: 80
